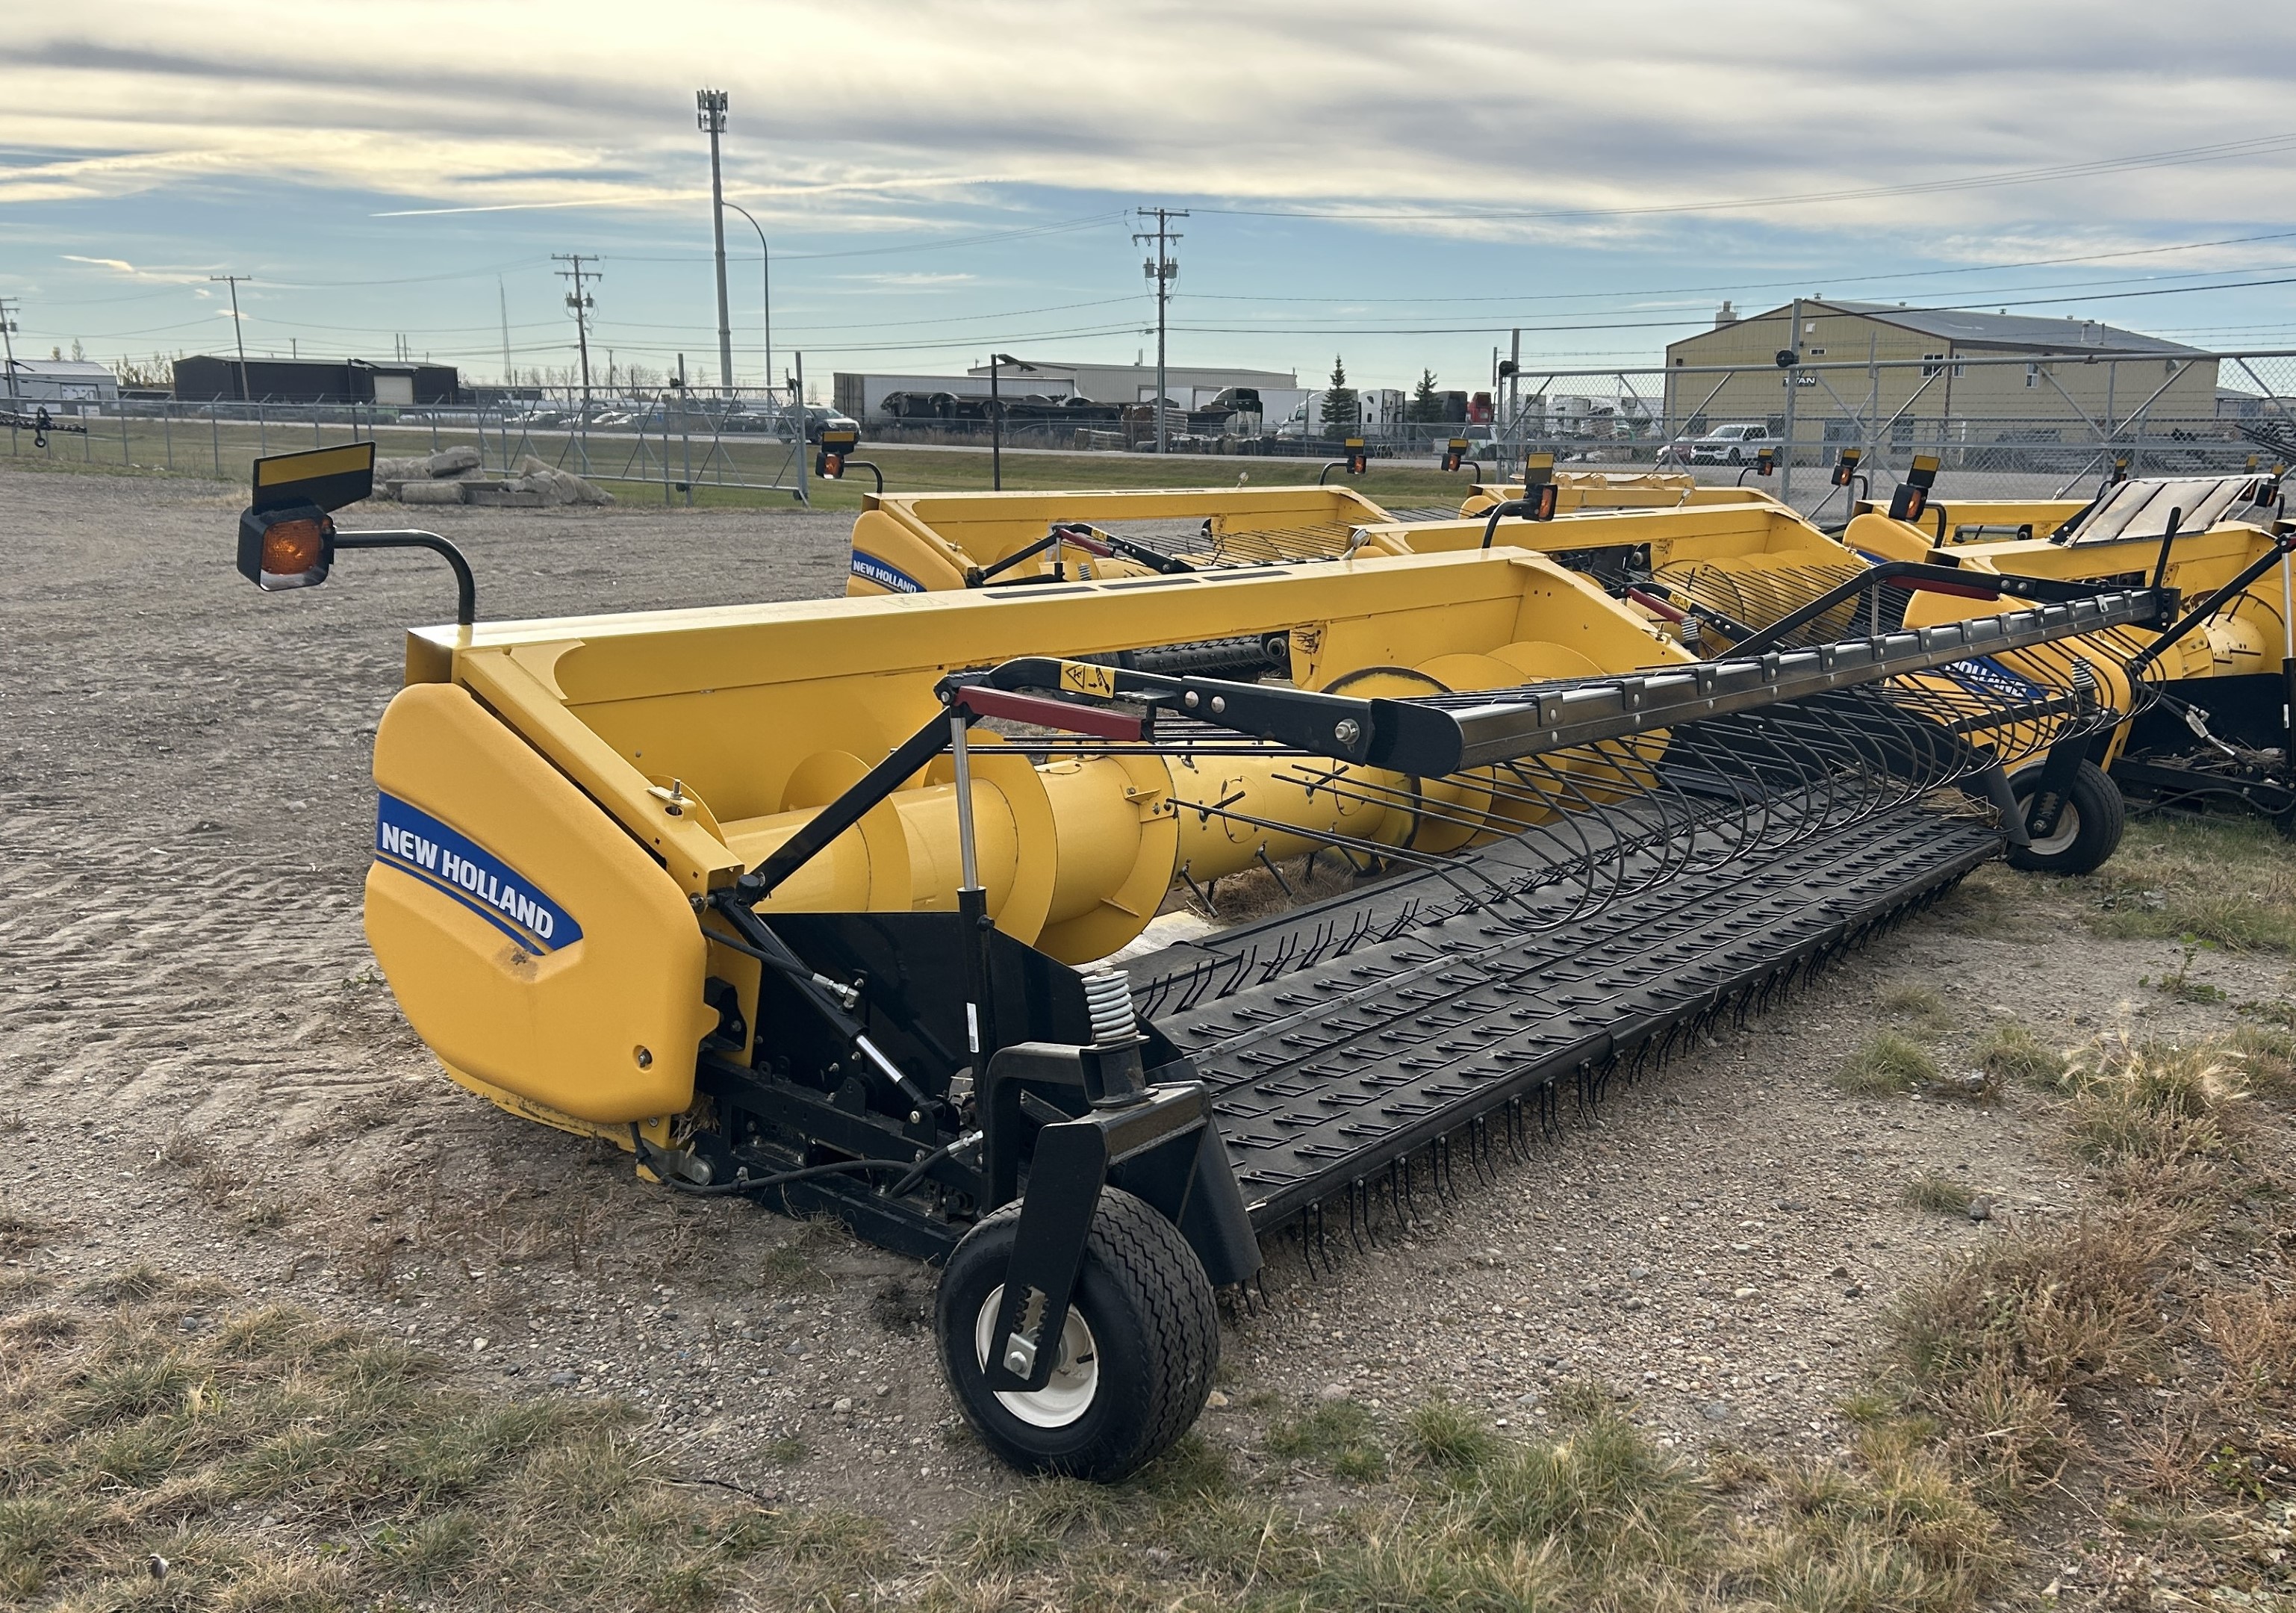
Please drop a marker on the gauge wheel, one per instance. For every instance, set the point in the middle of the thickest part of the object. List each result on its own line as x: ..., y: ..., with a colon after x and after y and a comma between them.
x: 1136, y: 1357
x: 2089, y: 824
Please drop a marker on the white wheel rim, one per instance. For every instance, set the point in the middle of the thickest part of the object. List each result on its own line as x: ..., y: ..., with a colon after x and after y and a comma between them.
x: 1068, y: 1393
x: 2068, y: 829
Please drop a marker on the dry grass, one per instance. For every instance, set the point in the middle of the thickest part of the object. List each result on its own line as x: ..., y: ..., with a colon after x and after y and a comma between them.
x: 1991, y: 1345
x: 1887, y: 1063
x: 275, y: 1460
x: 2154, y: 1120
x: 2267, y: 1058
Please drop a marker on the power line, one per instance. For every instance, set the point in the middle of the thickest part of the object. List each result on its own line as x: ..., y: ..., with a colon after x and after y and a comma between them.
x: 1760, y: 286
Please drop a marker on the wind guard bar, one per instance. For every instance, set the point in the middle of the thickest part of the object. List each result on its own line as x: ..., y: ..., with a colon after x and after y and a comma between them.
x: 968, y: 702
x: 1441, y: 734
x: 2282, y: 545
x: 1915, y: 576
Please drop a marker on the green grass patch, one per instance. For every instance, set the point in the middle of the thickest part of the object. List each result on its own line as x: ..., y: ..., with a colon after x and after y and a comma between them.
x: 1597, y: 1517
x: 2011, y: 1052
x: 1340, y: 1436
x: 2226, y: 882
x: 1888, y: 1062
x: 1941, y: 1194
x: 1920, y: 1009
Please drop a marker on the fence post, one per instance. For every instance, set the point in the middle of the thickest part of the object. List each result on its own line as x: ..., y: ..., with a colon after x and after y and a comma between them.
x: 315, y: 426
x: 685, y: 436
x: 168, y: 429
x: 262, y: 430
x: 1793, y: 385
x: 797, y: 402
x: 215, y: 438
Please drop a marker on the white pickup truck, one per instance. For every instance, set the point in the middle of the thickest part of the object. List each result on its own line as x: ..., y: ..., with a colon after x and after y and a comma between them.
x: 1735, y: 444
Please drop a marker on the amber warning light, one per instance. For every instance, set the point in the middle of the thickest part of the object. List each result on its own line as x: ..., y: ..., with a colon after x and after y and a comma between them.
x: 286, y: 549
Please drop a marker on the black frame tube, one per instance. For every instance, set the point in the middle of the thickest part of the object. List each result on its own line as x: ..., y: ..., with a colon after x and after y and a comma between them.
x: 466, y: 587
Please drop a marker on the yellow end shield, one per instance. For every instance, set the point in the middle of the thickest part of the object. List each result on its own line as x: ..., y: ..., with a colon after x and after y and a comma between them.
x: 533, y: 945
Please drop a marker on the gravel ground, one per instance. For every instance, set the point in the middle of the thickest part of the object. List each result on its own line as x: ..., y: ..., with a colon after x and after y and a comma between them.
x: 200, y: 1068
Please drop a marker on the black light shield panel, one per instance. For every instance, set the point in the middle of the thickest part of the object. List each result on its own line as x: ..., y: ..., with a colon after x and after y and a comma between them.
x: 328, y: 477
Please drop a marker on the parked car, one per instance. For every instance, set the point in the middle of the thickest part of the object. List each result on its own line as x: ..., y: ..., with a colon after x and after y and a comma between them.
x: 817, y: 417
x: 1737, y: 443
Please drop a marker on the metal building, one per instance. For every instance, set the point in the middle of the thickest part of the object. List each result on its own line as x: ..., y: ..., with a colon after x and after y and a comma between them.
x: 57, y: 381
x: 316, y: 381
x: 2076, y: 372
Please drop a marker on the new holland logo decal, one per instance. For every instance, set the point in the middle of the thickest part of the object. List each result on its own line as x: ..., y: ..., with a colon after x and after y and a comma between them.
x: 871, y: 569
x: 409, y: 839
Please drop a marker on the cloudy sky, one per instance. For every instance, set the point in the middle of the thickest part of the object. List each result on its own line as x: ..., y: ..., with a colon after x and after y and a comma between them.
x: 938, y: 180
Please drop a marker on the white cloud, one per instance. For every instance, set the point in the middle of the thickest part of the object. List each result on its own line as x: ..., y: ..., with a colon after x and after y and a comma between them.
x: 127, y: 270
x: 911, y: 279
x: 1351, y: 101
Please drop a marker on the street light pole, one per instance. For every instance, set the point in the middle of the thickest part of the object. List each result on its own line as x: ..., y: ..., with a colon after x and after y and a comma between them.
x: 710, y: 117
x: 997, y: 417
x: 765, y: 256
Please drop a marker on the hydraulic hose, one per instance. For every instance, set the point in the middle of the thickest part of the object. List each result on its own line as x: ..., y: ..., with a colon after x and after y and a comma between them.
x: 913, y: 1170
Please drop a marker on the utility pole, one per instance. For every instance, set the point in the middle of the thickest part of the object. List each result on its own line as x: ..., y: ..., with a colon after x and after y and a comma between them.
x: 579, y: 301
x: 238, y: 333
x: 9, y: 306
x: 1163, y: 270
x: 710, y: 118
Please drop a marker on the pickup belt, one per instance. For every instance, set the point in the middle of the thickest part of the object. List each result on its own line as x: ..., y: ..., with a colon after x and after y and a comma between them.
x: 1344, y: 1039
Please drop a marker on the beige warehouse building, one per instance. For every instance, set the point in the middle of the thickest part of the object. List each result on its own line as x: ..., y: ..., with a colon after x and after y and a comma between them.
x: 1940, y: 376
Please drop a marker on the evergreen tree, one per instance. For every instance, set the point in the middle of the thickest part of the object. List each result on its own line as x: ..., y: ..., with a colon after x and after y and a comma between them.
x: 1341, y: 408
x: 1425, y: 404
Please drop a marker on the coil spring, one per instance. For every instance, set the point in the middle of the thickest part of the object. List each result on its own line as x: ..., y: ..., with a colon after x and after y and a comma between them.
x: 1108, y: 1000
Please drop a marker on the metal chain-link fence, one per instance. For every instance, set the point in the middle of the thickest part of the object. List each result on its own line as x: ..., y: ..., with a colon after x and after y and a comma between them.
x: 497, y: 453
x: 2006, y: 426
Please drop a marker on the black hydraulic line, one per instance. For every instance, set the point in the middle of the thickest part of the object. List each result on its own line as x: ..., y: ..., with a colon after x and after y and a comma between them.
x: 872, y: 470
x: 760, y: 941
x: 913, y: 1170
x: 466, y: 587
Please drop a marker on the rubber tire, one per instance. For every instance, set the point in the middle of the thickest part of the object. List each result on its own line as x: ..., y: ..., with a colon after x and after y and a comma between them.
x: 2101, y: 815
x: 1143, y: 1294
